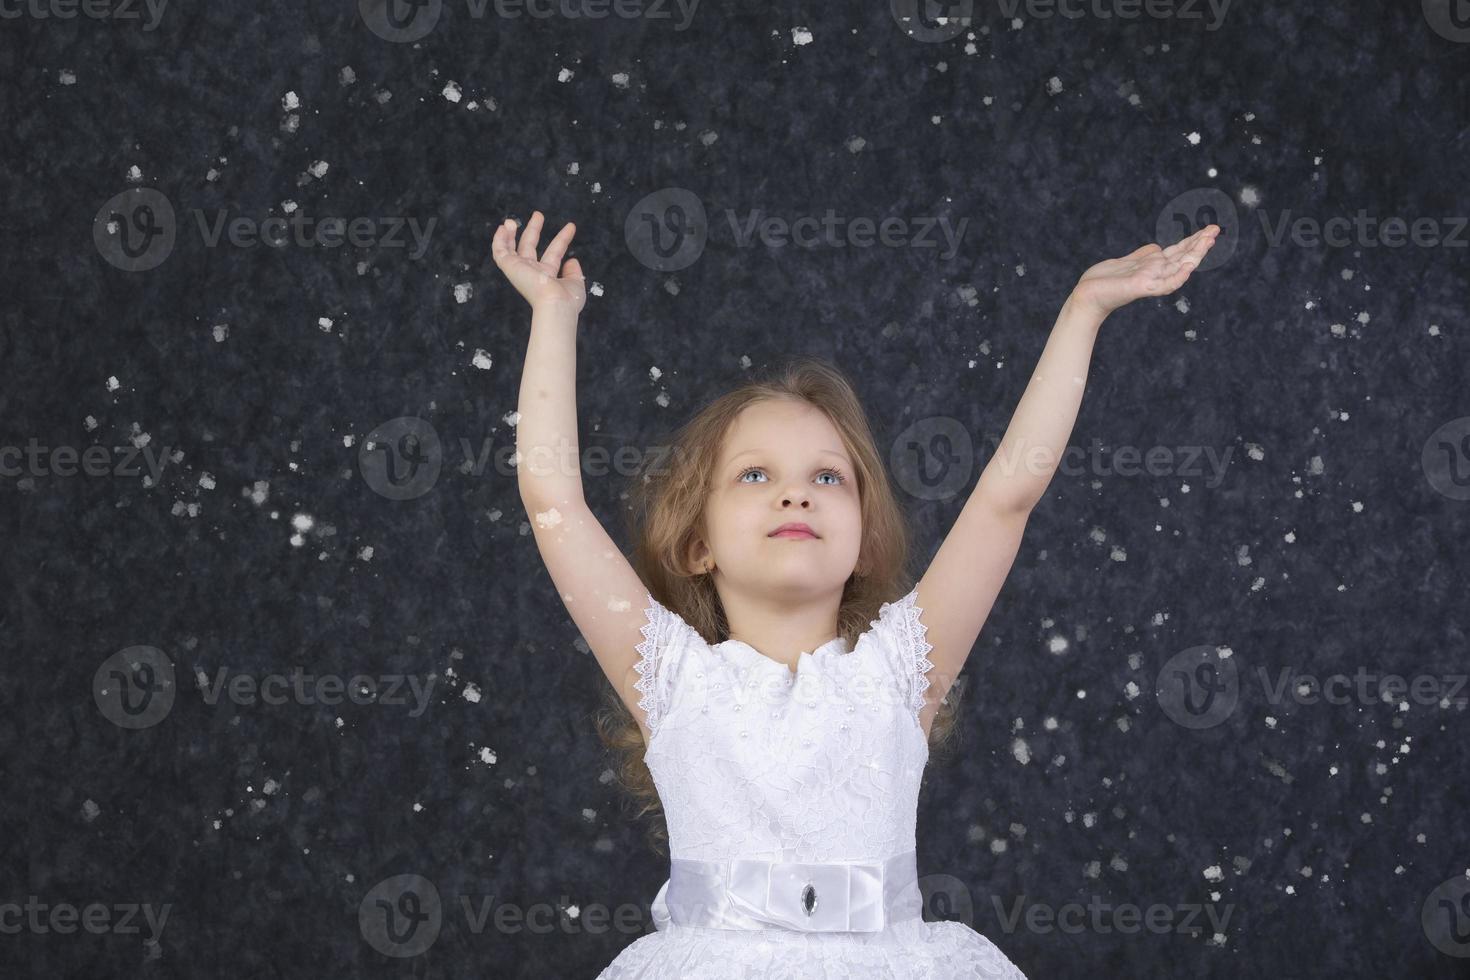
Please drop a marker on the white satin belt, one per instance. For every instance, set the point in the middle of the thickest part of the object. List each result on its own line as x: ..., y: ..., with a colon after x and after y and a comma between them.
x: 841, y: 896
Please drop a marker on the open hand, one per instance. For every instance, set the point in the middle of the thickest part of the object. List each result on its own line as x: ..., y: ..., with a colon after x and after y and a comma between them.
x: 544, y: 281
x: 1150, y: 271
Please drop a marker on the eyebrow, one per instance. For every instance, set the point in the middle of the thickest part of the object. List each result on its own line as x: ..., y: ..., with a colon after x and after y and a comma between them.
x: 827, y: 452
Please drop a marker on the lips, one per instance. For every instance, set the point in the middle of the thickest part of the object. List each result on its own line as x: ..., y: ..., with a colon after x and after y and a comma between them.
x: 793, y: 530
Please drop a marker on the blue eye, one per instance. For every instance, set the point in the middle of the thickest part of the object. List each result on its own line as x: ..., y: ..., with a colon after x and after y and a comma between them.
x: 833, y: 472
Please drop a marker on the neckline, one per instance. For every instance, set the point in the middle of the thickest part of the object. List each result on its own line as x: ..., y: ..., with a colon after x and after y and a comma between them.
x: 750, y: 656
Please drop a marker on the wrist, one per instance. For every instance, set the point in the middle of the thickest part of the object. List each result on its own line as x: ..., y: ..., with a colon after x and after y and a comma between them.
x: 555, y: 309
x: 1078, y: 305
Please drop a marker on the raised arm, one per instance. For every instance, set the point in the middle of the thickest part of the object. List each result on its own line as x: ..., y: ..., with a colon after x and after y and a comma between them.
x: 959, y: 587
x: 603, y: 594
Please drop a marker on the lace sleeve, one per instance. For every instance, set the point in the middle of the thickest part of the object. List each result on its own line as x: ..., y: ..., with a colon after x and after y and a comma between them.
x: 665, y: 639
x: 901, y: 636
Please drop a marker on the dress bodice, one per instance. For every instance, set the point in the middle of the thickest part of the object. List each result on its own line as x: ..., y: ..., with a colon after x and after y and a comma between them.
x: 753, y: 761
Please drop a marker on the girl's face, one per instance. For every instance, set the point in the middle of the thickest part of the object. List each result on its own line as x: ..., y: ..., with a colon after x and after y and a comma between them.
x: 783, y: 462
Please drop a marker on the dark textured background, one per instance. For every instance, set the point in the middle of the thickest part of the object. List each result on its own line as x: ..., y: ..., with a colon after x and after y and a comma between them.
x: 1326, y: 372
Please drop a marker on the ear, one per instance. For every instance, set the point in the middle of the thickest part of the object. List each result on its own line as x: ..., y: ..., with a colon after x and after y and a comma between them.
x: 699, y: 558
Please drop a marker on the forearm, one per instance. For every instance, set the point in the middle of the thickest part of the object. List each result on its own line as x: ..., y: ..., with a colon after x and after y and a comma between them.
x: 1027, y: 457
x: 549, y: 468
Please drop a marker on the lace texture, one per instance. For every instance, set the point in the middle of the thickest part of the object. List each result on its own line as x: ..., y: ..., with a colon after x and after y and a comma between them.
x: 751, y: 760
x: 913, y: 648
x: 665, y: 637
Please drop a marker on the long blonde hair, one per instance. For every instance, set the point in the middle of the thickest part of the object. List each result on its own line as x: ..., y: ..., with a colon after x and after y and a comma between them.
x: 667, y: 515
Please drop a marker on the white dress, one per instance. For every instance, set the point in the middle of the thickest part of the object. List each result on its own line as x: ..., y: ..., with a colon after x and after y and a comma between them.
x: 755, y: 764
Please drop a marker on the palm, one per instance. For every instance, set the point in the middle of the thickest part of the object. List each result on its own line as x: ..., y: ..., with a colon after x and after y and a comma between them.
x: 541, y: 281
x: 1150, y: 271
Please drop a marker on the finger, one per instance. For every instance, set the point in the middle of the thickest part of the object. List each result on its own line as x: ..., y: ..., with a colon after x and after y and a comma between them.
x: 573, y: 270
x: 1198, y: 243
x: 558, y: 247
x: 1196, y: 253
x: 530, y: 237
x: 500, y: 243
x: 1183, y: 245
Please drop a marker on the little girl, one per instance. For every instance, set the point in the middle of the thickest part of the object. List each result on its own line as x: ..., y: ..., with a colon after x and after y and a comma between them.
x: 783, y: 675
